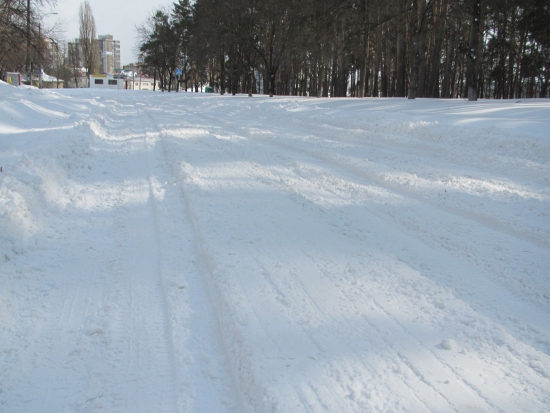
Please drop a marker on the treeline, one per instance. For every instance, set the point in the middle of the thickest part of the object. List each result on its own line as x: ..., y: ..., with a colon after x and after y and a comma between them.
x: 417, y: 48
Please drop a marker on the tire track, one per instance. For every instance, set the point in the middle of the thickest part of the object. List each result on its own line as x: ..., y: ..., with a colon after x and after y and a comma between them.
x: 206, y: 364
x: 141, y: 347
x: 496, y: 238
x: 276, y: 184
x: 317, y: 303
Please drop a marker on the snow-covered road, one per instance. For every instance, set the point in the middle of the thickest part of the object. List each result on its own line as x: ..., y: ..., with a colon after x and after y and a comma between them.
x: 197, y: 253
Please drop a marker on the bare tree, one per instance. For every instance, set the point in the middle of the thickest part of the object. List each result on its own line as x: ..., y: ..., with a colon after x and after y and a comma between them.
x: 13, y: 33
x: 59, y: 64
x: 22, y: 32
x: 88, y: 38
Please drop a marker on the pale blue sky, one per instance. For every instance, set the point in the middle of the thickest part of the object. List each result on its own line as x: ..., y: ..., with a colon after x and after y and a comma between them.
x: 116, y: 17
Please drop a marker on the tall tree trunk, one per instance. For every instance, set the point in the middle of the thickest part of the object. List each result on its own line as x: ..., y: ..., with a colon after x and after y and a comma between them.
x: 363, y: 71
x: 321, y: 81
x: 521, y: 53
x: 512, y: 54
x: 401, y: 53
x: 546, y: 82
x: 222, y: 74
x: 250, y: 82
x: 421, y: 85
x: 439, y: 34
x: 333, y: 79
x: 363, y: 55
x: 461, y: 77
x: 503, y: 30
x: 446, y: 87
x: 480, y: 55
x: 384, y: 64
x: 415, y: 29
x: 473, y: 51
x: 271, y: 74
x: 384, y: 79
x: 376, y: 77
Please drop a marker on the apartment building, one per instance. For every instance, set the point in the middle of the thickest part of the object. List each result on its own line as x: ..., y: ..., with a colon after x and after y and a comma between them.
x: 109, y: 54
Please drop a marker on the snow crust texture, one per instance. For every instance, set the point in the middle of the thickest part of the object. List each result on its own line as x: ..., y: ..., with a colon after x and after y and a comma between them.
x: 165, y: 252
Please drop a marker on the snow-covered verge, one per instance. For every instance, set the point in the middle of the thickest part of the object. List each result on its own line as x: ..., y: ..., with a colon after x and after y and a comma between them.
x: 197, y: 253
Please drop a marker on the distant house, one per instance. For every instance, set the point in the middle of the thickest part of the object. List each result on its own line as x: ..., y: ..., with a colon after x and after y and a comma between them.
x: 140, y: 83
x: 51, y: 82
x: 41, y: 80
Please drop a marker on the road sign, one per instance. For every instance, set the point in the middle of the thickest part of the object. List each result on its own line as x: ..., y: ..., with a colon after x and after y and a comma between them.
x: 179, y: 71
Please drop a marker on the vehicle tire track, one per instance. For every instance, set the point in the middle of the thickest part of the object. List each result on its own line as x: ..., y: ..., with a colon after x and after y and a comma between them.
x: 318, y: 302
x: 496, y: 237
x: 206, y: 364
x: 141, y: 345
x: 276, y: 184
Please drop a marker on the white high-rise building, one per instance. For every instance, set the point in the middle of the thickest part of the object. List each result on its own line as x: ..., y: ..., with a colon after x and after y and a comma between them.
x: 109, y: 54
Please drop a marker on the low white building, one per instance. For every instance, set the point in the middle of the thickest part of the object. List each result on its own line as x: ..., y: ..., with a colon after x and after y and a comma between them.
x: 107, y: 82
x: 121, y: 82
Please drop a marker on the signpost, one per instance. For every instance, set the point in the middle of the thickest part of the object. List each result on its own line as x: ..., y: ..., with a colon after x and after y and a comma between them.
x: 179, y: 73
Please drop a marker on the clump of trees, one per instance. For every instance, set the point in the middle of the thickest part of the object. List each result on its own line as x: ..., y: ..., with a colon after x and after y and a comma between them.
x: 20, y: 38
x: 415, y: 48
x: 26, y: 43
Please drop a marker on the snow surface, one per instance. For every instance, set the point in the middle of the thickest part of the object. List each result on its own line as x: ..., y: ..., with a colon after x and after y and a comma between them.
x: 164, y: 252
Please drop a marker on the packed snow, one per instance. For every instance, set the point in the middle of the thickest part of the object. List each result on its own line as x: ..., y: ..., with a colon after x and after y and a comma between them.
x: 179, y: 252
